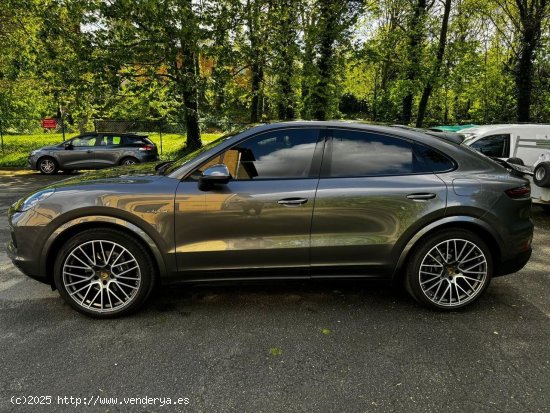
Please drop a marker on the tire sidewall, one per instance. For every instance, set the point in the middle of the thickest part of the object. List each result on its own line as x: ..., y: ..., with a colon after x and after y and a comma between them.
x: 545, y: 181
x: 47, y: 158
x: 135, y: 248
x: 424, y: 245
x: 123, y: 160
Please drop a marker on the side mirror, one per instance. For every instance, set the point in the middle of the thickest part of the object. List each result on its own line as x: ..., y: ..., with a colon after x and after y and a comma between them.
x: 215, y: 174
x: 68, y: 145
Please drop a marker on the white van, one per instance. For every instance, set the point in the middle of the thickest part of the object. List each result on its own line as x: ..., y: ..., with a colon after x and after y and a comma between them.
x: 525, y: 144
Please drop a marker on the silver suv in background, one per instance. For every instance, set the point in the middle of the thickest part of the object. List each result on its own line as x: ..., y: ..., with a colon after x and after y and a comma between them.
x: 94, y: 151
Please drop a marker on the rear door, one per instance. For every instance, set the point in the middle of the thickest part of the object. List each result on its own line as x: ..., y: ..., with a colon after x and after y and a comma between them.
x: 374, y: 191
x: 109, y: 149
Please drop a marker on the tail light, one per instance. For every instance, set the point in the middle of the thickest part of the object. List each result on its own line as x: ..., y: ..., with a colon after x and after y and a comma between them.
x: 519, y: 192
x: 147, y: 148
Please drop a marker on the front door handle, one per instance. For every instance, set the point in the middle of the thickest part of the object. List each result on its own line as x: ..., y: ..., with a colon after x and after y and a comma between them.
x: 292, y: 202
x: 89, y: 151
x: 421, y: 196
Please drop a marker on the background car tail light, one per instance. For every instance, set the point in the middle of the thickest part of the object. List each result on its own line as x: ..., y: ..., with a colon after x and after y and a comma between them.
x: 519, y: 192
x: 147, y: 148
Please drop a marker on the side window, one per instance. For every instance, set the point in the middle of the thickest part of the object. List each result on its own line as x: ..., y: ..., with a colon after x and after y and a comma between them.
x: 83, y: 141
x: 497, y: 146
x: 286, y: 153
x: 110, y: 140
x: 430, y: 160
x: 136, y: 140
x: 357, y: 153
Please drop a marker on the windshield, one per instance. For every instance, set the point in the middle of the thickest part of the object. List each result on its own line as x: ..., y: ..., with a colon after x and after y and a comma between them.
x: 191, y: 155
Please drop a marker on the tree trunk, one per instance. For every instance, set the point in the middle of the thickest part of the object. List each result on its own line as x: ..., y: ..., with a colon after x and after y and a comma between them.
x: 284, y: 64
x: 531, y: 16
x: 437, y: 66
x: 416, y: 33
x: 189, y: 84
x: 255, y: 104
x: 320, y: 94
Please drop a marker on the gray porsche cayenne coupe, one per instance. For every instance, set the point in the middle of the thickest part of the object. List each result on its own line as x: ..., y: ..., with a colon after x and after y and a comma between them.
x: 298, y: 200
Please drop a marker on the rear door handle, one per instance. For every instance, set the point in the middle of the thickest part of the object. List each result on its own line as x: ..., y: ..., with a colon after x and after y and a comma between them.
x: 292, y: 202
x: 421, y: 196
x: 89, y: 151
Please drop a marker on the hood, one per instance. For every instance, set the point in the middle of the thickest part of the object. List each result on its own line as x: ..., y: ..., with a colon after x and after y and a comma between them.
x: 49, y: 148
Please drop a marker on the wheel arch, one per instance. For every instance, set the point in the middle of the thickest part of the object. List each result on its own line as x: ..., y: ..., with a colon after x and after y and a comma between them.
x: 73, y: 227
x: 47, y: 155
x: 477, y: 226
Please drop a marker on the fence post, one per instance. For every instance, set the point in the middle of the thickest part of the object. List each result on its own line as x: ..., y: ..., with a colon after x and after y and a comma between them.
x: 1, y: 135
x: 63, y: 125
x: 160, y: 133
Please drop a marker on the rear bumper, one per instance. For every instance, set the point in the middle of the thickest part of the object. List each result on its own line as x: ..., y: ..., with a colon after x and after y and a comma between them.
x: 515, y: 264
x: 148, y: 157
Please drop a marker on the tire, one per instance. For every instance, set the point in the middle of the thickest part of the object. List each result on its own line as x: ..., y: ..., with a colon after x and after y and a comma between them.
x: 516, y: 161
x: 430, y: 279
x: 542, y: 175
x: 128, y: 160
x: 47, y: 165
x: 95, y: 288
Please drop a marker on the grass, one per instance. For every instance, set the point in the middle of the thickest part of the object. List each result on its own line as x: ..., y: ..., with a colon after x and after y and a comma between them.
x: 17, y: 147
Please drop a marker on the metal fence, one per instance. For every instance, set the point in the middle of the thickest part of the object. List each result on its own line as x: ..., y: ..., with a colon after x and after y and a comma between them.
x: 65, y: 126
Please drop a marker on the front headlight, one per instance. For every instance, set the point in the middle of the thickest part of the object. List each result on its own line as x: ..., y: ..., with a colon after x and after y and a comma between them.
x: 27, y: 203
x: 34, y: 152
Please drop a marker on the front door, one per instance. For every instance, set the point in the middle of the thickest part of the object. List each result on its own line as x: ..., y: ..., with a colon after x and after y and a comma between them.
x: 80, y: 154
x: 261, y: 219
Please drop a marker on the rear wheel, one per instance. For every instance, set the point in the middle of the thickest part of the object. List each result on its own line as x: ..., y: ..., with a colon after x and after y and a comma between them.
x: 104, y: 273
x: 542, y: 174
x: 129, y: 160
x: 450, y: 270
x: 47, y: 165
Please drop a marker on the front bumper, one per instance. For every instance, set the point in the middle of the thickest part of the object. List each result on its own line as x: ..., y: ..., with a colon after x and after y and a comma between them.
x: 25, y: 245
x: 31, y: 161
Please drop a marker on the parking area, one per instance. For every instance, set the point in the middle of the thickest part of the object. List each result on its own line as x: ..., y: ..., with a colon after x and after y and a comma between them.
x: 302, y: 346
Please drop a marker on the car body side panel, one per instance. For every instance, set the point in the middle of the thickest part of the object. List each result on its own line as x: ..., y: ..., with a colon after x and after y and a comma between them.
x: 358, y: 221
x: 145, y: 202
x: 242, y: 225
x: 78, y: 157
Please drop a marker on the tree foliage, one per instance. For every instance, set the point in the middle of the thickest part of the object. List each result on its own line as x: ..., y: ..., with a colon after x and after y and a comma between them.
x: 237, y: 61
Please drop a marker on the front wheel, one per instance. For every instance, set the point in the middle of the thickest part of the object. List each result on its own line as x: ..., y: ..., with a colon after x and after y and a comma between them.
x: 104, y: 273
x: 450, y: 270
x: 47, y: 166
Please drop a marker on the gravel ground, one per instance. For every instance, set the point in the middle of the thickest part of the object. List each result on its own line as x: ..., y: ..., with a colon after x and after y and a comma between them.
x: 286, y: 347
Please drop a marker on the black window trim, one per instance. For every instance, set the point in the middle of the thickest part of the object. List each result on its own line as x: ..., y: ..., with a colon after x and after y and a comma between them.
x: 327, y: 158
x: 316, y: 162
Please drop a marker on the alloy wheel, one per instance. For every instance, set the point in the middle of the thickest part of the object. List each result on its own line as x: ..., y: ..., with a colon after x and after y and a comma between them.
x: 47, y: 166
x: 101, y: 276
x: 453, y: 272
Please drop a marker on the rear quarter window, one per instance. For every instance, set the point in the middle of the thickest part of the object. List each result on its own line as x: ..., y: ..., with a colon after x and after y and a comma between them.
x: 137, y: 140
x: 431, y: 160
